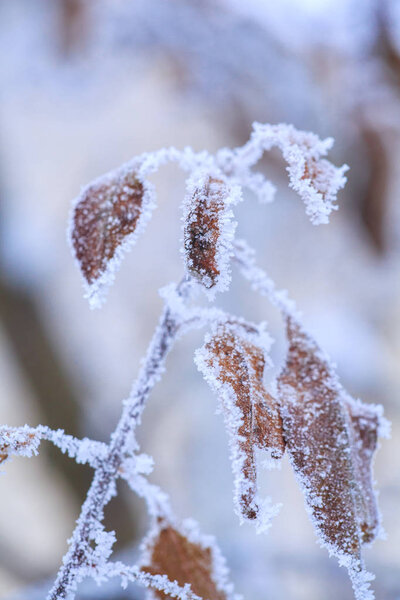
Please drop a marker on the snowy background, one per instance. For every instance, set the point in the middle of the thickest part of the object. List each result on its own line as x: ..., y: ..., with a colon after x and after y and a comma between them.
x: 86, y: 86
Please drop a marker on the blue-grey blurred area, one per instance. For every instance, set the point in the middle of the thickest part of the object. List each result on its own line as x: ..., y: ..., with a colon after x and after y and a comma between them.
x: 87, y: 85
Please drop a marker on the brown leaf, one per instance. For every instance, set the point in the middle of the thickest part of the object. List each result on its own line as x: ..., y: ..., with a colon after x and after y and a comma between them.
x: 203, y: 230
x: 234, y: 366
x: 330, y: 445
x: 365, y: 426
x: 184, y: 561
x: 107, y: 212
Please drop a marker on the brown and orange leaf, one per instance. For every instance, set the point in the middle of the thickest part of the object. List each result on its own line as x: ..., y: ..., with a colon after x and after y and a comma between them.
x: 234, y: 367
x: 187, y: 557
x: 330, y: 446
x: 106, y: 219
x: 365, y: 425
x: 209, y: 230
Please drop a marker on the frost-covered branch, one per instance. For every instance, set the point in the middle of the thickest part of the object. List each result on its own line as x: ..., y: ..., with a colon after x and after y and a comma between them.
x: 260, y: 282
x: 304, y: 405
x: 156, y: 582
x: 24, y: 441
x: 315, y: 179
x: 76, y: 563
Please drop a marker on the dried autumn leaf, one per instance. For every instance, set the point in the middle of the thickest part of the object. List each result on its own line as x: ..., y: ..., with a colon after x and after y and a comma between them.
x: 234, y: 367
x: 365, y: 424
x: 187, y: 557
x: 330, y: 446
x: 107, y: 217
x: 209, y: 230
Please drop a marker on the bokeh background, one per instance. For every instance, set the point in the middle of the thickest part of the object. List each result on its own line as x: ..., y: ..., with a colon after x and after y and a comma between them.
x: 87, y: 85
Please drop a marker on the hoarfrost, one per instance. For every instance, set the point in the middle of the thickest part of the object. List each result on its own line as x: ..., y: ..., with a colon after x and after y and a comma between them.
x: 112, y: 211
x: 330, y: 441
x: 209, y: 229
x: 107, y: 219
x: 25, y: 441
x: 179, y: 551
x: 315, y: 179
x: 233, y: 363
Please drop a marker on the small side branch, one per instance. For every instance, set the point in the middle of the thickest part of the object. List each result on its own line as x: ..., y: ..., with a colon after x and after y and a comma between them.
x: 157, y: 582
x: 25, y: 441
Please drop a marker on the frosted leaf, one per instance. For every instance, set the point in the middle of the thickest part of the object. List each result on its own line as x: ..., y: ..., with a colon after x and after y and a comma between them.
x: 365, y: 423
x: 234, y: 365
x: 330, y: 440
x: 315, y: 179
x: 107, y: 217
x: 209, y: 229
x: 186, y: 557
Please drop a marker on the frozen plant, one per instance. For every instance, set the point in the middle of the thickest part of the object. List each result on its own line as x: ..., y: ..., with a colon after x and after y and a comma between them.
x: 330, y: 437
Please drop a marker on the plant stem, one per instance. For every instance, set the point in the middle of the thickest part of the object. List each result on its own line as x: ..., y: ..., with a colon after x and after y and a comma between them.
x: 103, y: 483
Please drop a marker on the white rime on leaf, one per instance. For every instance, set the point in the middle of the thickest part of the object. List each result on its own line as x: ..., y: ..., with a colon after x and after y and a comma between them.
x: 233, y: 363
x: 106, y: 220
x: 112, y: 211
x: 209, y: 229
x: 330, y: 441
x: 181, y: 552
x: 315, y: 179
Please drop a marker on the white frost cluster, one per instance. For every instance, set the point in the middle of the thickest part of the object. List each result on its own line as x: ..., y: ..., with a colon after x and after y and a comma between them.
x: 25, y: 441
x: 22, y: 441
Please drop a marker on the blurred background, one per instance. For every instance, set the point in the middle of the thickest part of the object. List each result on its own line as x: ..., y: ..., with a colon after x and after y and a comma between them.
x: 87, y: 85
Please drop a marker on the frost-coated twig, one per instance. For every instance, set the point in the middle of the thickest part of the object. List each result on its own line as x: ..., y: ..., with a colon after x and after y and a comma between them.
x: 158, y: 582
x: 102, y: 489
x: 260, y: 282
x: 24, y: 441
